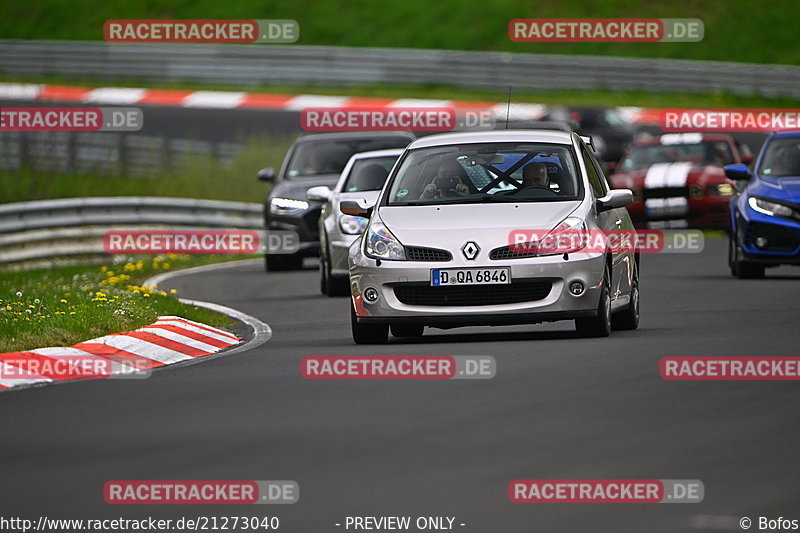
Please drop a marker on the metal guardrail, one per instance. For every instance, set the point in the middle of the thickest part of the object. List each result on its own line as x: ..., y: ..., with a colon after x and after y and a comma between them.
x: 71, y: 230
x: 110, y: 154
x: 327, y: 65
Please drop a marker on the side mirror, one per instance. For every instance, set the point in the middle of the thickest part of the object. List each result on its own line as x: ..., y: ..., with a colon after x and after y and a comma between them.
x: 737, y: 172
x: 356, y: 208
x: 318, y: 194
x: 266, y: 174
x: 614, y: 199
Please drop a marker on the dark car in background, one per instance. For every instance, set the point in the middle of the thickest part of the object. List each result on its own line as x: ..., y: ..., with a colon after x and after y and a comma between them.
x: 678, y: 180
x: 313, y: 160
x: 610, y: 132
x: 765, y: 213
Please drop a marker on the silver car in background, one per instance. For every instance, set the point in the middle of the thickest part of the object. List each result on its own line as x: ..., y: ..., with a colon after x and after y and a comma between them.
x: 362, y: 178
x: 437, y: 249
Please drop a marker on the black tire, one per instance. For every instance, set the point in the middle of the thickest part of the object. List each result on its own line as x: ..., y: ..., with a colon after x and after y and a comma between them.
x: 330, y: 284
x: 739, y: 268
x: 368, y: 333
x: 324, y: 275
x: 338, y: 286
x: 282, y: 262
x: 408, y: 330
x: 628, y: 319
x: 600, y: 325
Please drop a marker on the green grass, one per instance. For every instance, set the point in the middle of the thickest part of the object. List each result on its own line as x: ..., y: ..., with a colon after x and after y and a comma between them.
x: 198, y: 178
x: 735, y: 30
x: 67, y: 305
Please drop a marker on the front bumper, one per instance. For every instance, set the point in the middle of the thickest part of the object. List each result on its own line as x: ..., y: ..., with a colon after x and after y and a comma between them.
x: 305, y: 224
x: 782, y: 238
x: 557, y: 303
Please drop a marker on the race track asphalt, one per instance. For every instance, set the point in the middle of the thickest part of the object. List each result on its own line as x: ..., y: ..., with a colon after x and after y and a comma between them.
x: 559, y: 407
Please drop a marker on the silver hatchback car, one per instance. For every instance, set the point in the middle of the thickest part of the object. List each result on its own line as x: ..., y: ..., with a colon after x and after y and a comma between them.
x: 363, y: 177
x: 442, y: 248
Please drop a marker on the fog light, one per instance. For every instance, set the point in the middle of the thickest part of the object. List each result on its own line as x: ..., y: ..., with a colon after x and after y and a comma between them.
x: 371, y: 294
x: 761, y: 242
x: 576, y: 288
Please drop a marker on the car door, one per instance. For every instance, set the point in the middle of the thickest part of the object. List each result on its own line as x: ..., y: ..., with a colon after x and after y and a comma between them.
x: 612, y: 220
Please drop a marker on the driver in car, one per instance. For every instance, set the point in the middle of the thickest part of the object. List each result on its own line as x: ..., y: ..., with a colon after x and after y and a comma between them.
x: 535, y: 175
x: 447, y: 183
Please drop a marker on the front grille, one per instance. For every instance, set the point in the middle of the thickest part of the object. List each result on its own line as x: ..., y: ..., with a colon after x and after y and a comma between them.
x: 468, y: 295
x: 418, y: 253
x: 513, y: 252
x: 665, y: 192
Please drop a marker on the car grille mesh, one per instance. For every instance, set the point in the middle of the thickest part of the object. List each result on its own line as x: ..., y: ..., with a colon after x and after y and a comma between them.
x: 418, y: 253
x: 512, y: 252
x: 469, y: 295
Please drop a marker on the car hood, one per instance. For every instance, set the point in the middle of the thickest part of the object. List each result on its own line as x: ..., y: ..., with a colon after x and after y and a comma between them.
x: 489, y: 225
x: 296, y: 188
x: 663, y: 175
x: 785, y: 188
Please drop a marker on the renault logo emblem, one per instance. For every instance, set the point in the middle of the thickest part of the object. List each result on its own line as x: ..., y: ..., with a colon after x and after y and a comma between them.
x: 470, y: 250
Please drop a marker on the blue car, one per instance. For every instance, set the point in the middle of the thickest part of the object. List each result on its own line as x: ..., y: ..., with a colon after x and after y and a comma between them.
x: 765, y: 214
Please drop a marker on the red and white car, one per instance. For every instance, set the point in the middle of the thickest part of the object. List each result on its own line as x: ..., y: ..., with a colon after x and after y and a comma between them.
x: 678, y: 181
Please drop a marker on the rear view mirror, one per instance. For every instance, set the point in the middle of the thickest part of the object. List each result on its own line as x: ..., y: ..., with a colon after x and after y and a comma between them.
x: 266, y: 174
x: 318, y: 194
x: 355, y: 208
x: 737, y: 172
x: 614, y: 199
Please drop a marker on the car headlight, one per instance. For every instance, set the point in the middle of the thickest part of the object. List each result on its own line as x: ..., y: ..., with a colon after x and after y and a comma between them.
x: 721, y: 189
x: 770, y: 208
x: 379, y: 243
x: 286, y: 206
x: 351, y: 225
x: 567, y: 237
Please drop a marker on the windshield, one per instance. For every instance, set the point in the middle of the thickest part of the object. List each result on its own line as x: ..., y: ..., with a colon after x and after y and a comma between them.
x: 701, y: 153
x: 782, y: 158
x: 484, y: 173
x: 314, y: 158
x: 369, y: 174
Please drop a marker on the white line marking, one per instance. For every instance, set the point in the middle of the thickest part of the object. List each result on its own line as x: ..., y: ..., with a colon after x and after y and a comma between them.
x: 194, y: 329
x: 181, y: 339
x: 142, y: 348
x: 20, y: 91
x: 115, y: 95
x: 214, y: 99
x: 300, y: 102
